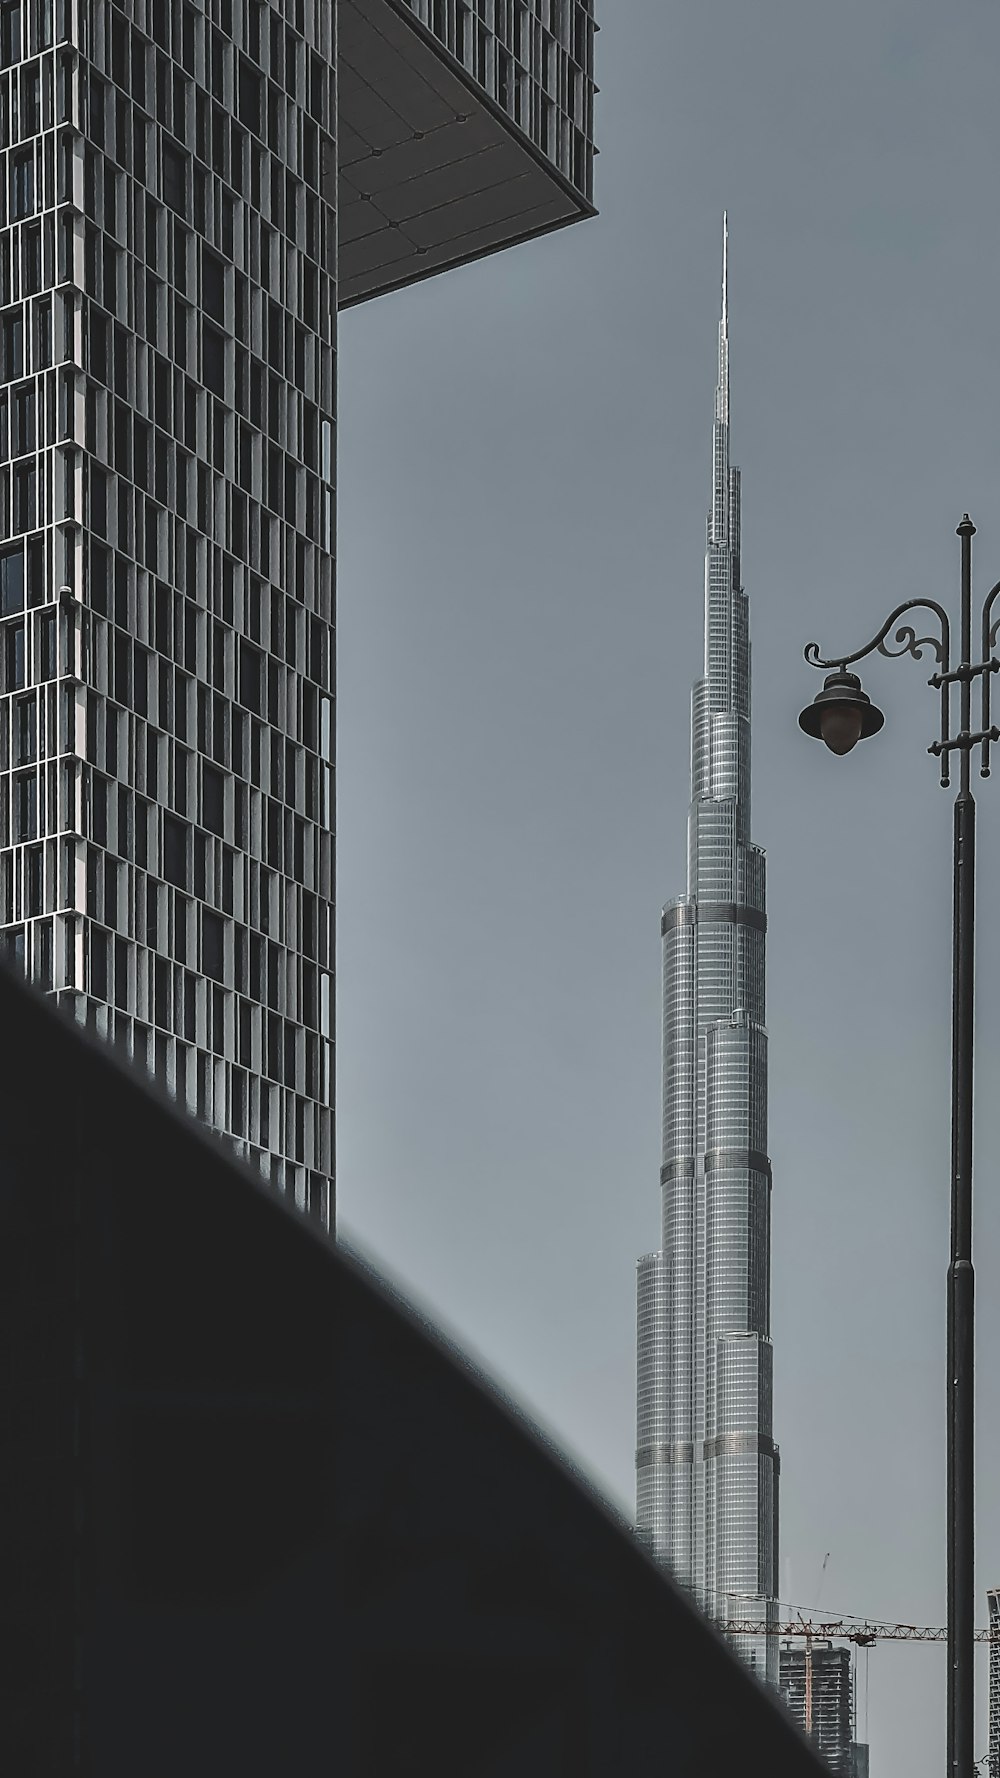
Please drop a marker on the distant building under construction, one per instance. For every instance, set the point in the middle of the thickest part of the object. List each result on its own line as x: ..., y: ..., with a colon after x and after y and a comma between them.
x: 993, y: 1602
x: 817, y: 1685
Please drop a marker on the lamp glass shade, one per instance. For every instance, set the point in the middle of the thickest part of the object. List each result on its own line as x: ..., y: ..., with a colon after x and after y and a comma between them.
x: 840, y: 726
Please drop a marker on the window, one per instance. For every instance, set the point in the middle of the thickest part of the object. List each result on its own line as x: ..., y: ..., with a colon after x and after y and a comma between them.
x: 25, y: 806
x: 43, y: 333
x: 49, y: 661
x: 249, y: 99
x: 182, y: 240
x: 22, y: 184
x: 213, y: 931
x: 98, y: 358
x: 13, y: 943
x: 179, y: 937
x: 98, y: 963
x: 188, y: 31
x: 162, y: 990
x: 23, y: 481
x: 11, y: 581
x: 139, y: 142
x: 213, y: 798
x: 175, y: 179
x: 31, y: 259
x: 227, y: 217
x: 213, y: 287
x: 43, y: 954
x: 250, y: 676
x: 96, y: 111
x: 175, y: 851
x: 13, y: 657
x: 25, y: 730
x: 11, y: 345
x: 10, y: 32
x: 99, y: 500
x: 182, y: 332
x: 23, y: 420
x: 213, y: 360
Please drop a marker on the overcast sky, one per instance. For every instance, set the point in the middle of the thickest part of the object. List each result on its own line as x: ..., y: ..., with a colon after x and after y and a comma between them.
x: 524, y: 477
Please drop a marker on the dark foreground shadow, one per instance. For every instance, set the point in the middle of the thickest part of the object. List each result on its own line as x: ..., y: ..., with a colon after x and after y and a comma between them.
x: 255, y: 1519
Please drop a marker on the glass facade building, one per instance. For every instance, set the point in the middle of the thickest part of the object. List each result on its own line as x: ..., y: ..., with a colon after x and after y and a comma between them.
x: 167, y: 319
x: 169, y: 261
x: 707, y: 1465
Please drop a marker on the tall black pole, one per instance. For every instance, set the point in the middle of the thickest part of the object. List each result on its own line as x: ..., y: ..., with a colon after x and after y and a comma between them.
x: 961, y: 1284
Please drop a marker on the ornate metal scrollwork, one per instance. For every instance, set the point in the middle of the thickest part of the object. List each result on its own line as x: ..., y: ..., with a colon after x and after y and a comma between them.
x: 990, y: 631
x: 906, y: 637
x: 911, y: 643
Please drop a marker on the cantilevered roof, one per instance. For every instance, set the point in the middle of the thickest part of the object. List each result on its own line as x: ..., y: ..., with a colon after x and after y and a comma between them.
x: 432, y: 172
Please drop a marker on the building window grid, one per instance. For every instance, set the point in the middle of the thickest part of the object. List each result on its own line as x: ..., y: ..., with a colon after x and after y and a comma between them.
x: 535, y: 58
x: 299, y: 706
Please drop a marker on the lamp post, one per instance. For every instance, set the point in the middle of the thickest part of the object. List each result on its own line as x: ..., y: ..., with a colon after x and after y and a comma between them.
x: 841, y: 715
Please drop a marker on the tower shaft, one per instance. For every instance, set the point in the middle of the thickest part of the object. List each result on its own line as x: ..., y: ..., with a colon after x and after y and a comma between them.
x: 707, y: 1466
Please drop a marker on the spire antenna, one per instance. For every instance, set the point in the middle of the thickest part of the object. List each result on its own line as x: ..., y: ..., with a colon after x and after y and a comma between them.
x: 725, y: 271
x: 722, y: 389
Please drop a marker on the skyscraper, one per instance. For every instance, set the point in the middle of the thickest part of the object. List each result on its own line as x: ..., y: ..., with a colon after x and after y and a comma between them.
x: 707, y: 1466
x: 170, y: 174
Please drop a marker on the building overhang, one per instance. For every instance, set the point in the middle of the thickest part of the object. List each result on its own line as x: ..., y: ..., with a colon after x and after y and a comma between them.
x: 431, y: 172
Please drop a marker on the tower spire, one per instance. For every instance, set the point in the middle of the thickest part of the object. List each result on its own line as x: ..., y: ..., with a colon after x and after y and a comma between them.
x: 722, y: 392
x: 720, y: 444
x: 725, y: 272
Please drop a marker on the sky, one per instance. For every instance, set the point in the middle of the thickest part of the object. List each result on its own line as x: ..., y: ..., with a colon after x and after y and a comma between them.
x: 524, y: 473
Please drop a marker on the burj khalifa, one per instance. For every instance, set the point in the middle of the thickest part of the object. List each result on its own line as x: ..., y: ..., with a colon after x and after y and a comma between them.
x: 706, y: 1462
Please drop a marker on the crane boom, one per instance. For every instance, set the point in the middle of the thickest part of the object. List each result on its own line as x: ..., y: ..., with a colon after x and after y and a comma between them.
x: 846, y: 1629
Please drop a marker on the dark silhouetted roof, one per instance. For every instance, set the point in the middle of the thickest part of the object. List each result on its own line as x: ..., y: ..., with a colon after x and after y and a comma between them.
x: 258, y: 1520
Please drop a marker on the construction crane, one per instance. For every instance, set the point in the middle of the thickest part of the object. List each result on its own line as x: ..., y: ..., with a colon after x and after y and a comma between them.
x: 863, y: 1632
x: 858, y: 1630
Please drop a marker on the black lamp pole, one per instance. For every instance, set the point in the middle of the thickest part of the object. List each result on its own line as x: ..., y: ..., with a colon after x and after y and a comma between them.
x: 841, y: 715
x: 961, y: 1279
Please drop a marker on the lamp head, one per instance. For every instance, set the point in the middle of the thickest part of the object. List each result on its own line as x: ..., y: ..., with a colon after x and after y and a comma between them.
x: 841, y: 714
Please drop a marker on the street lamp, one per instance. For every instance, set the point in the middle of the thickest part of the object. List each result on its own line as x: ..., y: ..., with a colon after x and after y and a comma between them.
x: 841, y: 715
